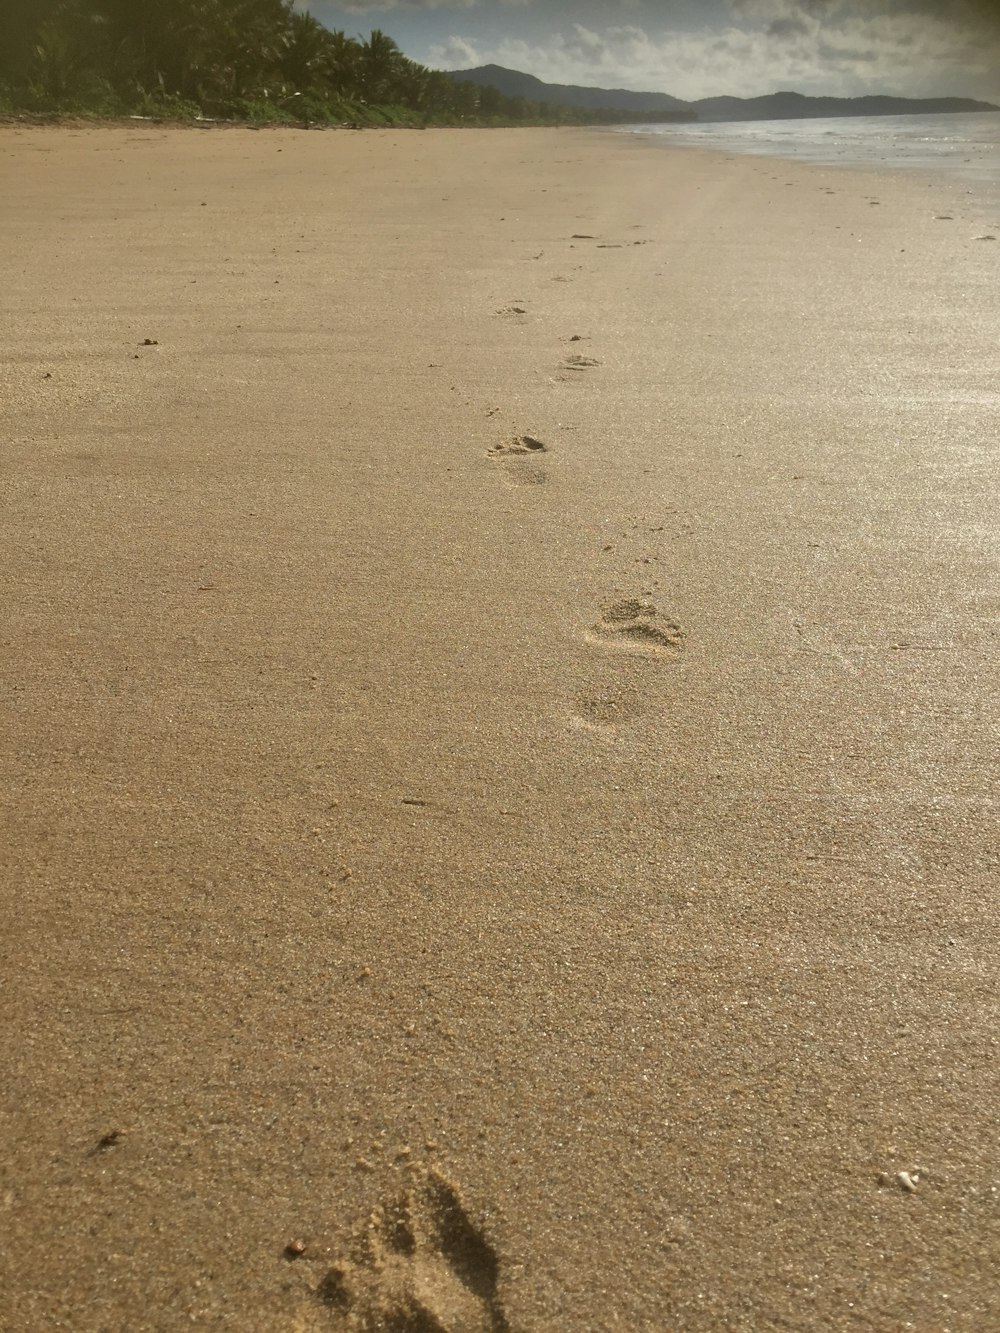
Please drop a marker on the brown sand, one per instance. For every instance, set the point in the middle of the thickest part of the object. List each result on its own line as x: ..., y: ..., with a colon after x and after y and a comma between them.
x: 554, y: 887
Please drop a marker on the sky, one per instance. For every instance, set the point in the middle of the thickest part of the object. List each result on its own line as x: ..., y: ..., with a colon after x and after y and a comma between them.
x: 702, y: 48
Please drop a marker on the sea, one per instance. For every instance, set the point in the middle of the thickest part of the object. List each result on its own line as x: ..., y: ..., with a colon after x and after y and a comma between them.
x: 964, y: 145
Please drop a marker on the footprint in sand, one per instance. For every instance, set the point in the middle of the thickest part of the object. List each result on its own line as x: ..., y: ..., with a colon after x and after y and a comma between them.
x: 419, y: 1266
x: 518, y: 447
x: 514, y: 454
x: 634, y: 625
x: 579, y: 362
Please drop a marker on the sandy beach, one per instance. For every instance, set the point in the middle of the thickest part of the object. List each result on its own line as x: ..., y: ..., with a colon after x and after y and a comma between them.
x: 498, y: 759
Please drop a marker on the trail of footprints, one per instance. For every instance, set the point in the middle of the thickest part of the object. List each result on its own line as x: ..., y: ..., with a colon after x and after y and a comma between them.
x: 628, y: 627
x: 419, y: 1266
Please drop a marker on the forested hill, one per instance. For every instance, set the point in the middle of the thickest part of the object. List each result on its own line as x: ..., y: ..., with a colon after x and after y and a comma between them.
x: 794, y: 106
x: 638, y: 105
x: 649, y: 106
x: 515, y: 83
x: 257, y: 60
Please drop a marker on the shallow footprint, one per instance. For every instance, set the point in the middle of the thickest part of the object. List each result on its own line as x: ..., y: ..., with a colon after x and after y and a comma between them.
x: 420, y: 1266
x: 635, y: 625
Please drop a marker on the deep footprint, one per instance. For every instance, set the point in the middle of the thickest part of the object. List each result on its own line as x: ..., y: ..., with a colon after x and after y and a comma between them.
x: 420, y: 1266
x: 635, y: 624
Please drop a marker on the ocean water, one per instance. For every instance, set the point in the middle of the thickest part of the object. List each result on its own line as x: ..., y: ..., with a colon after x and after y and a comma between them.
x: 965, y: 146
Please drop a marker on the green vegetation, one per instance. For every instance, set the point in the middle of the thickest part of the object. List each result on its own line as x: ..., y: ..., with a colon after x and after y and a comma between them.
x: 261, y: 61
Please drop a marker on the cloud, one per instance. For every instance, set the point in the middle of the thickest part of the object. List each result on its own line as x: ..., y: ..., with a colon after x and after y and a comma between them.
x: 961, y: 15
x: 620, y: 56
x: 368, y: 6
x: 457, y: 53
x: 788, y: 27
x: 834, y: 47
x: 376, y: 6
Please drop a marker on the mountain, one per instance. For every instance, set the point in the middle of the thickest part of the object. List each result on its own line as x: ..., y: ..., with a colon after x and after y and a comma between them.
x: 792, y: 106
x: 774, y: 106
x: 512, y: 83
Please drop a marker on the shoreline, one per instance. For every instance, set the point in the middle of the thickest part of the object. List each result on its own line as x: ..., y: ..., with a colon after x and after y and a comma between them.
x: 958, y: 171
x: 591, y: 845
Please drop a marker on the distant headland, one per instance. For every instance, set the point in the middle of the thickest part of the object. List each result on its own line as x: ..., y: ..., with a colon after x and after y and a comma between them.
x: 661, y: 106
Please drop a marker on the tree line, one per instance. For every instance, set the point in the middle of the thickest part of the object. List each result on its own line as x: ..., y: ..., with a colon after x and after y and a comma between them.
x: 258, y: 60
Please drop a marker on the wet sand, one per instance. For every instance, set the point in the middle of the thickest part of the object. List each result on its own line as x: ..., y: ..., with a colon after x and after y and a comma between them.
x: 552, y: 889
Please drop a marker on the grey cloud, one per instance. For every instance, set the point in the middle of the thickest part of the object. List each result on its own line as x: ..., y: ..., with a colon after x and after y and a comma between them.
x: 780, y: 11
x: 975, y: 15
x: 370, y: 6
x: 789, y: 27
x: 862, y: 27
x: 959, y: 13
x: 839, y: 47
x: 844, y: 55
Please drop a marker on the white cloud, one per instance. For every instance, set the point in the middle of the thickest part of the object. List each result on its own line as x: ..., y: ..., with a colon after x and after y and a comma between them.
x: 456, y: 53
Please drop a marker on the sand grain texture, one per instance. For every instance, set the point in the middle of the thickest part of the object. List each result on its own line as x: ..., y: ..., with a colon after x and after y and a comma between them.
x: 370, y: 878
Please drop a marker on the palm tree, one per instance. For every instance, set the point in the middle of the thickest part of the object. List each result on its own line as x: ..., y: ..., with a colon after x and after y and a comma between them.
x: 305, y: 49
x: 414, y: 86
x: 20, y: 21
x: 341, y: 64
x: 58, y: 61
x: 379, y: 62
